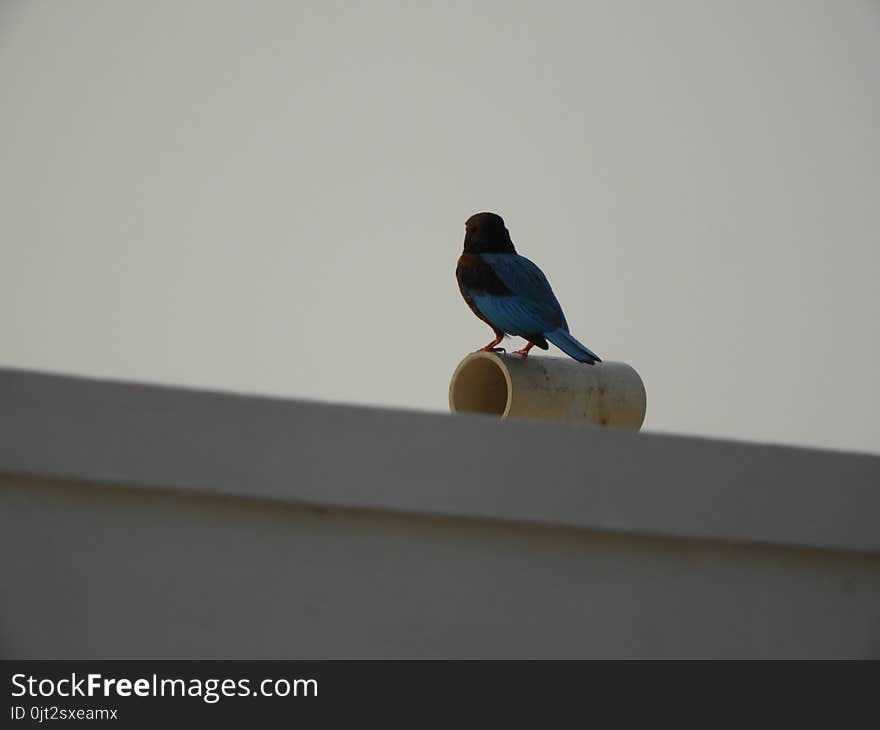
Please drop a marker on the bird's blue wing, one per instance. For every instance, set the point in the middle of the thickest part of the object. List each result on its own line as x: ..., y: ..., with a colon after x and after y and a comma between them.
x: 530, y: 307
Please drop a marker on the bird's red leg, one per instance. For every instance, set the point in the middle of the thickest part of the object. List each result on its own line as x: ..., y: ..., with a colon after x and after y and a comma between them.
x: 525, y: 351
x: 491, y: 346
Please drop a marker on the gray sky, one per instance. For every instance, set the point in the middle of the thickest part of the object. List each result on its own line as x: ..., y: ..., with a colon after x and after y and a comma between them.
x: 270, y: 197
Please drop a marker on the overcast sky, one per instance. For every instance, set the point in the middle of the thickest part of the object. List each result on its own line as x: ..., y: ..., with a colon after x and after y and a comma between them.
x: 270, y: 197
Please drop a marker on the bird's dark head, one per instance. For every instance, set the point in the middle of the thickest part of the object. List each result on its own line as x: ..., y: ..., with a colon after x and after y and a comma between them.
x: 485, y: 233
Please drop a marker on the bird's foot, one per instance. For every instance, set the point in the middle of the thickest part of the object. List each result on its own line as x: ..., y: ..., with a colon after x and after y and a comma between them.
x: 524, y: 352
x: 492, y: 349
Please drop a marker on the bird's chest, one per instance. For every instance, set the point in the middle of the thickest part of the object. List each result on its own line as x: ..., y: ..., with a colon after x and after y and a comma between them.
x: 475, y: 276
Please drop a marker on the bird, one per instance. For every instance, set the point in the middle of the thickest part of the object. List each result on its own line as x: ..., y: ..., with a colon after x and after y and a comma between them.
x: 510, y: 293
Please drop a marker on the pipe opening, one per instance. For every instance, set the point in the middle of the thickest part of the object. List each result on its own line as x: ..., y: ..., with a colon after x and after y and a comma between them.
x: 480, y: 386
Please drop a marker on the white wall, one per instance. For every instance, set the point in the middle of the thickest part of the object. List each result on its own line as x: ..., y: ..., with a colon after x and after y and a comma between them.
x: 106, y: 572
x: 155, y: 522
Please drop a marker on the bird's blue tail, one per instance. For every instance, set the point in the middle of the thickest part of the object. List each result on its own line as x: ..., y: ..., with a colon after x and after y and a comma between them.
x: 570, y: 346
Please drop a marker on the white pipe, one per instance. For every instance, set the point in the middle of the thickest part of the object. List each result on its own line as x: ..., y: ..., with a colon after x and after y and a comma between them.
x: 548, y: 389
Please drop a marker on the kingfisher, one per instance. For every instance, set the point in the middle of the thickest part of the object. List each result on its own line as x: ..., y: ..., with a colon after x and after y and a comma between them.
x: 510, y: 293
